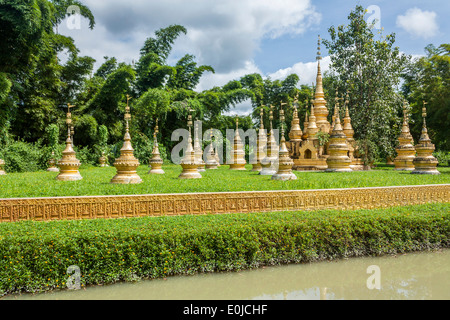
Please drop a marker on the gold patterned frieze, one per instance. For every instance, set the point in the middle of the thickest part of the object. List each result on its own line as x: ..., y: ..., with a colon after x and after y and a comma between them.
x: 110, y: 207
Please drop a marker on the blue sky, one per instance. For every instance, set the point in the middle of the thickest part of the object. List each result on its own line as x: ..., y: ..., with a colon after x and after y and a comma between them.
x: 270, y: 37
x: 287, y: 50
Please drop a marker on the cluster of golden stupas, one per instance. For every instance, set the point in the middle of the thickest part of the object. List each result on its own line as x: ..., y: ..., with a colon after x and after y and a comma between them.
x: 303, y: 152
x: 418, y: 159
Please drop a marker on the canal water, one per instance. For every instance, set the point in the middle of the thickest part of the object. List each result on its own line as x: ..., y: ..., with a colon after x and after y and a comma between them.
x: 414, y: 276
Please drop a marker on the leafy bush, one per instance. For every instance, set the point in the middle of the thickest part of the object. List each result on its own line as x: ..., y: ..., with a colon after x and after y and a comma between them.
x: 443, y: 158
x: 35, y: 255
x: 20, y: 156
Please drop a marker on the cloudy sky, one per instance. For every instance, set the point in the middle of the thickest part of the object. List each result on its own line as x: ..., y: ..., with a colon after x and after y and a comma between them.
x: 236, y: 37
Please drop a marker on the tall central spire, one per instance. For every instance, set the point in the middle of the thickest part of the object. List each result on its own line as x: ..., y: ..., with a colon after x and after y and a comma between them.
x: 320, y: 108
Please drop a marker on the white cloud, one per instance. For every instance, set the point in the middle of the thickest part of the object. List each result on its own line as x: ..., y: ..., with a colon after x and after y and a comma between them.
x: 306, y: 71
x: 419, y: 23
x: 224, y: 34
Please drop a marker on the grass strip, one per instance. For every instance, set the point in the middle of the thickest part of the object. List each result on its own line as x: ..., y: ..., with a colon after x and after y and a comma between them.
x: 96, y: 182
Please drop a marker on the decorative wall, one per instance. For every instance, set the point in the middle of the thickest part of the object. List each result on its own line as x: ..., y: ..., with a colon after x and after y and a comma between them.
x: 77, y: 208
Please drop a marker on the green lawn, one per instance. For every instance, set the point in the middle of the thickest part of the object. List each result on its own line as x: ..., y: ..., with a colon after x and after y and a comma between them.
x: 96, y: 181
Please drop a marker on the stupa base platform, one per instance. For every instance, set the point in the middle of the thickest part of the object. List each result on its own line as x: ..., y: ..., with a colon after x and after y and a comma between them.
x: 69, y: 177
x: 156, y: 171
x: 126, y: 179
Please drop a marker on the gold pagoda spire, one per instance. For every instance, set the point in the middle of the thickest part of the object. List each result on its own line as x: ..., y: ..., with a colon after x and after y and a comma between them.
x: 348, y: 128
x: 198, y: 149
x: 312, y: 125
x: 320, y: 108
x: 285, y: 163
x: 211, y: 161
x: 238, y: 150
x: 425, y: 162
x: 261, y: 143
x: 269, y: 162
x: 305, y: 124
x: 296, y: 132
x: 188, y: 163
x: 126, y: 165
x: 156, y: 161
x: 69, y: 164
x: 406, y: 152
x: 338, y: 161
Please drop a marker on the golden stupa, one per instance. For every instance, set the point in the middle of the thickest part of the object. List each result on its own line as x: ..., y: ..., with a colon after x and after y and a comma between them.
x: 425, y: 162
x: 156, y: 161
x: 127, y: 164
x: 238, y: 151
x: 189, y: 163
x: 285, y: 163
x: 296, y: 133
x: 261, y: 143
x: 103, y: 161
x: 406, y: 152
x: 198, y: 149
x: 69, y: 164
x: 270, y: 162
x: 211, y: 161
x: 338, y: 161
x: 320, y: 104
x: 52, y: 164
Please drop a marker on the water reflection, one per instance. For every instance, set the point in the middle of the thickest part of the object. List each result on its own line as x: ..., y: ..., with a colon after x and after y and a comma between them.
x: 412, y: 276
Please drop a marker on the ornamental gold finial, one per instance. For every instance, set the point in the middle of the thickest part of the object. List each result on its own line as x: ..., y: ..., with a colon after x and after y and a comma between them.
x: 319, y: 54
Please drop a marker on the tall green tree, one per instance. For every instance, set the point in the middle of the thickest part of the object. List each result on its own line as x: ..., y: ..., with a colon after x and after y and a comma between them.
x: 36, y: 83
x: 428, y: 79
x: 369, y: 69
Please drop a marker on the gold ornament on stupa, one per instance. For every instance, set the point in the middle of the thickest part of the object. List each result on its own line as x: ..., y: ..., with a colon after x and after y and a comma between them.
x: 198, y: 149
x: 285, y: 163
x: 211, y: 161
x: 348, y: 128
x: 126, y: 165
x: 238, y: 151
x: 2, y: 168
x: 296, y: 132
x: 52, y: 164
x: 319, y: 102
x: 156, y: 161
x: 188, y: 163
x: 69, y: 164
x: 269, y: 163
x: 425, y: 162
x: 261, y: 143
x: 305, y: 125
x: 312, y: 125
x: 406, y: 152
x: 338, y: 161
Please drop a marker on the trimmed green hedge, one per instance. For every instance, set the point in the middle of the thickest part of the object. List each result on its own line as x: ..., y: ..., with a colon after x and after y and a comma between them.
x: 34, y: 256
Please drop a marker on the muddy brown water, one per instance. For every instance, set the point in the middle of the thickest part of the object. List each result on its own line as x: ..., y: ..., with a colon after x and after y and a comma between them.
x: 415, y: 276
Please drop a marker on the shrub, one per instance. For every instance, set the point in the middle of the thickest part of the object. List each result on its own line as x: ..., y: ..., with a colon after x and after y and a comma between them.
x: 443, y: 158
x: 20, y: 156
